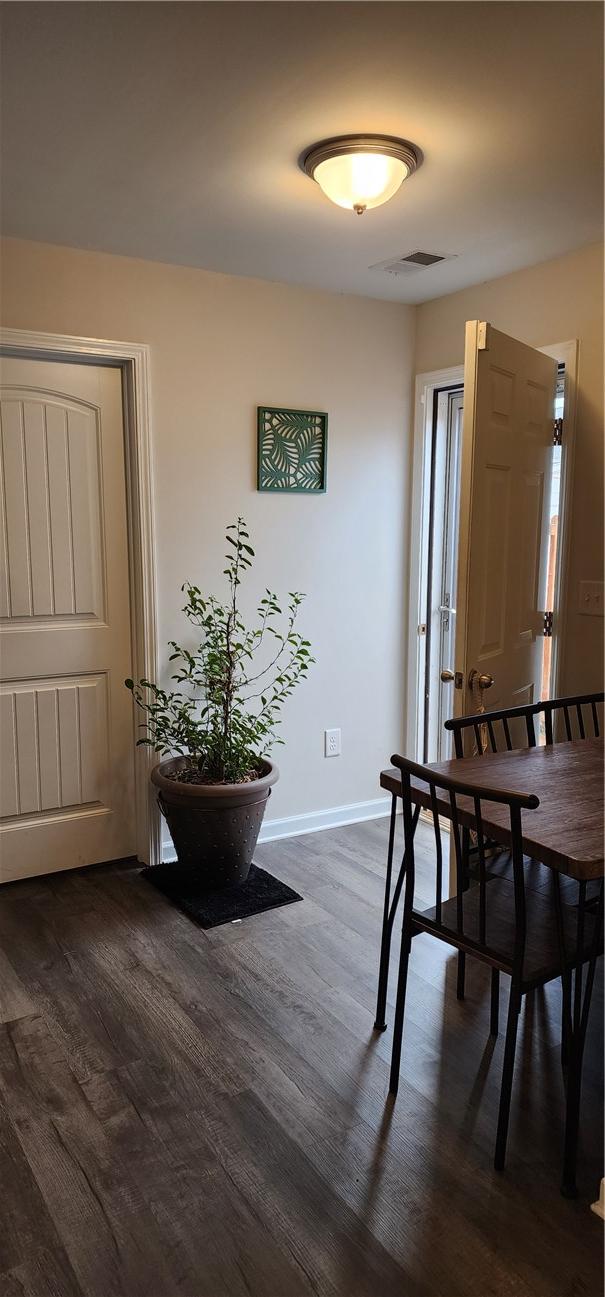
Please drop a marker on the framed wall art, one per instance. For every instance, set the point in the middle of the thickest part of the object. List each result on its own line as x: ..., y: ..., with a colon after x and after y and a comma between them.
x: 292, y: 450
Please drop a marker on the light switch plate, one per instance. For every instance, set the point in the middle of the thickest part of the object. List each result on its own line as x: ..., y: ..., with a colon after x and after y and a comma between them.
x: 591, y: 600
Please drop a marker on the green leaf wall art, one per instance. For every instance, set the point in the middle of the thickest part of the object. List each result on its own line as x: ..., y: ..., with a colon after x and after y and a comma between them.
x: 292, y: 446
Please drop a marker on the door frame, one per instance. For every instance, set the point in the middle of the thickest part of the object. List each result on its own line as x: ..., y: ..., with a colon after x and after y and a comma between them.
x: 567, y: 354
x: 426, y: 386
x: 132, y: 359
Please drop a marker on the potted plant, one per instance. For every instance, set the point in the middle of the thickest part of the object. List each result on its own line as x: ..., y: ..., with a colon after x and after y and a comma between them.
x: 218, y: 724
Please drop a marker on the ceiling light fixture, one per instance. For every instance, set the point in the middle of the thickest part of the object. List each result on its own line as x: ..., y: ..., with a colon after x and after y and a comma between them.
x: 361, y: 171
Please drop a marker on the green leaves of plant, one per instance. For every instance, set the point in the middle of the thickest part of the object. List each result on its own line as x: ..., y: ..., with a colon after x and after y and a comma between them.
x: 220, y: 722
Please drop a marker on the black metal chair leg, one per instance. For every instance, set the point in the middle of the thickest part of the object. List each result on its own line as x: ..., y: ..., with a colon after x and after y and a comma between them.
x: 385, y: 943
x: 465, y: 883
x: 495, y: 1002
x: 402, y: 981
x: 572, y: 1117
x: 565, y: 1016
x: 407, y: 932
x: 581, y: 1009
x: 566, y: 1025
x: 514, y: 1005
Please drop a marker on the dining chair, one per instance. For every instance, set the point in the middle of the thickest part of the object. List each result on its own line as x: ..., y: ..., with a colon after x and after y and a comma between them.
x: 495, y: 919
x: 564, y: 719
x: 504, y: 729
x: 503, y: 724
x: 577, y: 717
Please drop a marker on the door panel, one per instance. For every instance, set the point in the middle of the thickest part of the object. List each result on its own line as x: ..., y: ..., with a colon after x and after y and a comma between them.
x: 492, y: 570
x: 509, y: 391
x: 530, y: 596
x: 67, y: 783
x: 55, y: 737
x: 51, y: 508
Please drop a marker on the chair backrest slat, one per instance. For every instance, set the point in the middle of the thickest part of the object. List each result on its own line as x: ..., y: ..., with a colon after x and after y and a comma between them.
x: 482, y: 875
x: 548, y: 726
x: 460, y: 880
x: 438, y: 855
x: 530, y: 728
x: 519, y: 887
x: 408, y: 825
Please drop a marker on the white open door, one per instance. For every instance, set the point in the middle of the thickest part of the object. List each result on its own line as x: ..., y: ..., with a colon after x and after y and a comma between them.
x: 507, y: 438
x: 66, y: 724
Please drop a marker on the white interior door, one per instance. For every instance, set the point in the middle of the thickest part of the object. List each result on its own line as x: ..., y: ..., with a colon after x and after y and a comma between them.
x: 66, y: 725
x: 507, y: 438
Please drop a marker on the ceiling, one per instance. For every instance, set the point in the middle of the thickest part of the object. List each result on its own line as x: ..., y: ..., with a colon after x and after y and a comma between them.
x: 172, y: 131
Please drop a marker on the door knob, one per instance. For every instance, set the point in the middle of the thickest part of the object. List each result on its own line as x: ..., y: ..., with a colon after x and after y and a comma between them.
x: 447, y: 677
x: 480, y: 678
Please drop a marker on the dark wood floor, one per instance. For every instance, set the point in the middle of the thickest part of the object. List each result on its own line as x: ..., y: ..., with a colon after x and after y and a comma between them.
x: 203, y: 1114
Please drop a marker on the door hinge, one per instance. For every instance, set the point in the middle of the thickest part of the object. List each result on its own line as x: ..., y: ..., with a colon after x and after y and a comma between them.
x: 557, y: 432
x: 483, y: 336
x: 547, y: 632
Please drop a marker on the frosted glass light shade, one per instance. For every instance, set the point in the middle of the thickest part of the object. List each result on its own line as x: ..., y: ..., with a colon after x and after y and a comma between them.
x: 361, y: 171
x: 364, y: 180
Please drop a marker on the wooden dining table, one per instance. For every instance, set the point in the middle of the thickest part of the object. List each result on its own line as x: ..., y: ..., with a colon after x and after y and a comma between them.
x: 565, y: 833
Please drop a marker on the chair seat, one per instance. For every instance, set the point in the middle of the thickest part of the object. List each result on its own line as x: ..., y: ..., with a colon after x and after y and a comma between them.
x: 542, y: 958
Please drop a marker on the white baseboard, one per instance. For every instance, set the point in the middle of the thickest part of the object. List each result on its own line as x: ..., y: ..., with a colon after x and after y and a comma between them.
x: 293, y: 826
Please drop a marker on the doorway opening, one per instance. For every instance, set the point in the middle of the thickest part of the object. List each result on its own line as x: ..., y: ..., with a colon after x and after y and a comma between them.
x: 553, y: 531
x: 435, y: 517
x: 442, y: 566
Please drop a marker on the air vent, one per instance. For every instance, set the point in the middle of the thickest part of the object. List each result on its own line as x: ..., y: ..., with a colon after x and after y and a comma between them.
x: 424, y: 258
x: 413, y: 261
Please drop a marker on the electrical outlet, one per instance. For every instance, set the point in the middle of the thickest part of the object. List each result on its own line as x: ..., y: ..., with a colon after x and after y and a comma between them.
x: 591, y: 601
x: 331, y: 743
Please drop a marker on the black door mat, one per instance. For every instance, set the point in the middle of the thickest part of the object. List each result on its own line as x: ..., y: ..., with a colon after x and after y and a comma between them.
x: 181, y: 885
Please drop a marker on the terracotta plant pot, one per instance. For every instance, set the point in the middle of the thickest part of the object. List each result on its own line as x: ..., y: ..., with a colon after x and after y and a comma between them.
x: 214, y: 827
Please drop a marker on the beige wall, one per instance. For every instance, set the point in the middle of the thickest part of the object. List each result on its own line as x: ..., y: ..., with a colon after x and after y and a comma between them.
x: 220, y: 346
x: 549, y: 303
